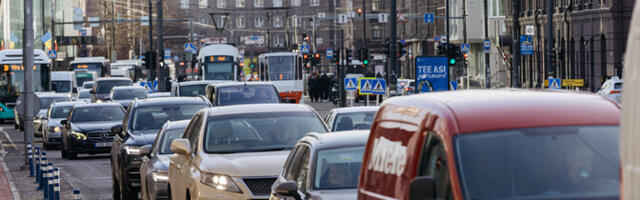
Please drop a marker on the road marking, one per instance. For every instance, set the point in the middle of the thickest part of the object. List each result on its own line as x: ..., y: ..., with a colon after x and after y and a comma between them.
x: 7, y: 173
x: 9, y: 138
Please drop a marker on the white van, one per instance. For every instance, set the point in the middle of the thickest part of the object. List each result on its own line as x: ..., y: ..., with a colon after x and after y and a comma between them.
x: 63, y: 82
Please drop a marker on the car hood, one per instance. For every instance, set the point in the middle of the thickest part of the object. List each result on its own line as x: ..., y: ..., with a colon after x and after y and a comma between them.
x: 339, y: 194
x: 41, y: 113
x: 142, y: 138
x: 95, y: 126
x: 244, y: 164
x: 54, y: 122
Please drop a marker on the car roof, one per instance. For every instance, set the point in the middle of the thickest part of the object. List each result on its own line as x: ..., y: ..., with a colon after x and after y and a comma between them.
x: 170, y: 101
x: 257, y: 108
x: 128, y: 87
x: 243, y: 84
x: 96, y: 105
x: 113, y: 79
x: 469, y: 111
x: 88, y: 82
x: 354, y: 109
x: 188, y: 83
x: 178, y: 124
x: 320, y: 141
x: 50, y: 94
x: 67, y: 103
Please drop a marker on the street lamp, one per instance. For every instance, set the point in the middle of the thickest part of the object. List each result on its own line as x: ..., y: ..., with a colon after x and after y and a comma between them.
x: 222, y: 23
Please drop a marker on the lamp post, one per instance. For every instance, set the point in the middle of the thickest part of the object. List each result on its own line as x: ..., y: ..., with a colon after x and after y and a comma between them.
x: 223, y: 22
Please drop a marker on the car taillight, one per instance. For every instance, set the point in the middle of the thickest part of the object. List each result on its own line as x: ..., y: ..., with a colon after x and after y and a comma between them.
x: 614, y: 92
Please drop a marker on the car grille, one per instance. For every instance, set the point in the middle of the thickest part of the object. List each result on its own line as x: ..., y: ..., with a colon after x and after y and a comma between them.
x: 100, y: 137
x: 259, y: 186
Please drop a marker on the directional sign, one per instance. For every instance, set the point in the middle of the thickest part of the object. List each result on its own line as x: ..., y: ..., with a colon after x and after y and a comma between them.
x: 555, y: 83
x: 144, y: 20
x: 465, y: 48
x: 342, y: 18
x: 329, y: 53
x: 383, y: 17
x: 53, y: 54
x: 454, y: 85
x: 428, y: 18
x: 304, y: 49
x: 526, y: 45
x: 379, y: 86
x: 151, y: 86
x: 401, y: 18
x: 433, y: 70
x: 365, y: 85
x: 350, y: 84
x: 487, y: 46
x: 94, y: 19
x: 167, y: 53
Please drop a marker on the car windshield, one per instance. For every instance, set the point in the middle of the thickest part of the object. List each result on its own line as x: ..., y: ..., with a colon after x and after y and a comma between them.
x: 219, y: 71
x: 130, y: 93
x: 338, y: 168
x: 354, y: 120
x: 192, y: 90
x: 84, y: 94
x: 97, y: 114
x: 60, y: 111
x: 87, y: 85
x: 259, y: 131
x: 617, y: 86
x: 45, y: 102
x: 169, y: 136
x: 251, y: 94
x: 573, y: 162
x: 61, y: 86
x: 105, y: 87
x: 153, y: 117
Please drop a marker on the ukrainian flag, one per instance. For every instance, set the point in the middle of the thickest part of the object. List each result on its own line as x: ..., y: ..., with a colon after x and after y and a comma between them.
x: 46, y: 39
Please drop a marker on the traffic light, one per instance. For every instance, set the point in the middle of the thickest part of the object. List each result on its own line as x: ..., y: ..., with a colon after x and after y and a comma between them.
x: 453, y: 54
x: 316, y: 59
x: 358, y: 54
x: 305, y: 37
x: 359, y: 11
x: 402, y: 49
x: 348, y: 56
x: 442, y: 49
x: 305, y: 57
x: 466, y: 58
x: 365, y: 56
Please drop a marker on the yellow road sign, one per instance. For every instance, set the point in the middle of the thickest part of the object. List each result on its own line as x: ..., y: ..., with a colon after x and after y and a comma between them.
x: 572, y: 82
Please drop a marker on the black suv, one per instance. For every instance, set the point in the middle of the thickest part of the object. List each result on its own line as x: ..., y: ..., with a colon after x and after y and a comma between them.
x: 143, y: 120
x: 86, y: 129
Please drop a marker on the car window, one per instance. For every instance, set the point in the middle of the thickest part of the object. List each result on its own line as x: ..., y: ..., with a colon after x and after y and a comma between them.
x: 302, y: 172
x: 105, y: 87
x: 60, y: 111
x: 153, y: 117
x: 84, y: 94
x: 354, y: 120
x: 47, y: 101
x: 192, y: 90
x: 618, y: 86
x: 130, y: 93
x: 169, y: 136
x: 97, y: 114
x: 246, y: 95
x: 292, y: 163
x: 195, y: 134
x: 434, y: 164
x: 338, y: 168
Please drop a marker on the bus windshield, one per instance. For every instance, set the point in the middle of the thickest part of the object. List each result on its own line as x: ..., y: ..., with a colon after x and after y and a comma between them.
x: 281, y: 68
x: 92, y: 67
x: 218, y: 71
x: 12, y: 80
x: 81, y: 77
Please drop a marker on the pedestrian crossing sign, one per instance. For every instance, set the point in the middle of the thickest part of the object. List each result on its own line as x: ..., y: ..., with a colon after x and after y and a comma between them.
x: 350, y: 84
x: 372, y: 86
x: 555, y: 83
x: 379, y: 86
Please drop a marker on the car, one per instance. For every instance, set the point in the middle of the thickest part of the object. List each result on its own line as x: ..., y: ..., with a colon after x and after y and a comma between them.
x: 493, y: 144
x: 405, y: 87
x: 84, y: 95
x: 46, y: 99
x: 86, y: 129
x: 236, y: 152
x: 322, y: 166
x: 64, y: 82
x: 191, y: 88
x: 159, y: 95
x: 143, y: 120
x: 102, y: 89
x: 350, y: 118
x: 57, y: 112
x: 155, y: 164
x: 124, y: 95
x: 225, y: 94
x: 612, y: 89
x: 87, y: 85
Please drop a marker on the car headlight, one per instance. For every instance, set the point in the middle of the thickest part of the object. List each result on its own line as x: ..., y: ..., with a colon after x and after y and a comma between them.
x: 219, y: 182
x: 132, y: 150
x: 78, y: 135
x: 98, y: 101
x: 54, y: 129
x: 160, y: 177
x: 37, y: 120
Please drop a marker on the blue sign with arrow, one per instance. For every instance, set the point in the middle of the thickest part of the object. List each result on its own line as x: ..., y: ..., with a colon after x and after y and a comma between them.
x: 487, y: 46
x: 432, y: 73
x: 428, y: 18
x: 350, y: 83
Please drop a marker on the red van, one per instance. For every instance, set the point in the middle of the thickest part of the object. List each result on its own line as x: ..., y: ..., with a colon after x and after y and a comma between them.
x: 493, y: 144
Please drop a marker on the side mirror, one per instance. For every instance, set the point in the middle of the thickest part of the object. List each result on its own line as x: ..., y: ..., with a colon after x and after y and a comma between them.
x: 117, y: 129
x: 422, y: 188
x: 288, y: 189
x: 146, y: 150
x: 64, y: 122
x: 181, y: 146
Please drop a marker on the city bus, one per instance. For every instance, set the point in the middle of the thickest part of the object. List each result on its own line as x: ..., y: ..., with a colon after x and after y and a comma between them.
x: 12, y: 78
x: 285, y: 71
x: 99, y: 65
x: 131, y: 69
x: 219, y: 62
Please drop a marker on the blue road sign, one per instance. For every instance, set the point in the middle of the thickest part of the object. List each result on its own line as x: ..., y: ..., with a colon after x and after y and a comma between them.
x: 555, y: 83
x: 329, y: 53
x: 350, y: 83
x: 526, y: 45
x: 465, y: 48
x: 379, y: 86
x: 53, y: 54
x: 432, y: 70
x: 189, y: 47
x: 167, y: 53
x: 304, y: 48
x: 428, y: 18
x: 454, y: 85
x: 151, y: 86
x: 365, y: 85
x: 487, y: 46
x: 83, y: 32
x: 436, y: 38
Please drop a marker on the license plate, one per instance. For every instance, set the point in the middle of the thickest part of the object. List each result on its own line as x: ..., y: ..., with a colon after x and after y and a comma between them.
x: 103, y: 144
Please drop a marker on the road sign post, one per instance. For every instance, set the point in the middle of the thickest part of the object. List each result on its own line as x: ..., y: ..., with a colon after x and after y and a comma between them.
x: 428, y: 17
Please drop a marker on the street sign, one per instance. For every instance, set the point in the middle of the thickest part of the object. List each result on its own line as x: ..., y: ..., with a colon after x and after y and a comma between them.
x: 342, y: 18
x: 322, y: 15
x: 83, y: 32
x: 350, y: 84
x: 365, y: 85
x: 94, y: 19
x: 401, y: 18
x: 144, y: 20
x: 20, y: 104
x: 352, y: 14
x: 383, y: 18
x: 304, y: 49
x: 555, y: 83
x: 443, y: 39
x: 167, y: 53
x: 53, y: 54
x: 379, y: 86
x: 465, y: 48
x: 428, y: 18
x: 454, y: 85
x: 329, y: 53
x: 487, y: 46
x: 572, y: 82
x: 526, y: 45
x: 189, y: 47
x: 436, y: 38
x: 529, y: 30
x: 432, y: 70
x: 151, y: 86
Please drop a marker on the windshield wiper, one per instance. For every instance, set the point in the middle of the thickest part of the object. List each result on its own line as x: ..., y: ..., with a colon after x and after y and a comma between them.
x: 273, y: 149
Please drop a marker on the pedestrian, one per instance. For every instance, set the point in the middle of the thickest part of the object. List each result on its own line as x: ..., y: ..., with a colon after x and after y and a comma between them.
x: 316, y: 87
x: 310, y: 84
x: 324, y: 86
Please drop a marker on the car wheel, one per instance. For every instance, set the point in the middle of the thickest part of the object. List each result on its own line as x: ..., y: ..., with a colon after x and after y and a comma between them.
x: 15, y: 126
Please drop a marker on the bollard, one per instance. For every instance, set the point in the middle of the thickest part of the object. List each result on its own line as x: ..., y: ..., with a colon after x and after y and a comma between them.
x: 46, y: 179
x: 50, y: 182
x: 30, y: 152
x: 76, y: 194
x: 37, y: 164
x: 56, y: 184
x: 43, y: 172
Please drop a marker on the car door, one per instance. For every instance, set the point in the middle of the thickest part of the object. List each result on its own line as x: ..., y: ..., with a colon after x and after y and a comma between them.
x: 191, y: 171
x: 299, y: 172
x: 177, y: 164
x: 433, y: 163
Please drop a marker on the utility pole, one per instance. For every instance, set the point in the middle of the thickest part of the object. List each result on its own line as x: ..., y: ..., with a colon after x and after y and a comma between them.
x: 549, y: 69
x: 364, y: 27
x: 113, y: 32
x: 53, y: 33
x: 161, y: 68
x: 391, y: 71
x: 152, y: 58
x: 27, y: 55
x: 487, y: 62
x: 44, y: 47
x: 515, y: 60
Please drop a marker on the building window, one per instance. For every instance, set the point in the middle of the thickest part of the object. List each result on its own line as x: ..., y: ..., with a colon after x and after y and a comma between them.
x: 278, y: 41
x: 277, y: 21
x: 184, y: 4
x: 377, y: 5
x: 314, y: 2
x: 258, y: 3
x: 203, y: 3
x: 295, y: 21
x: 240, y: 23
x: 295, y: 3
x: 259, y: 22
x: 240, y: 3
x: 277, y: 3
x: 377, y: 32
x: 222, y: 3
x: 496, y: 8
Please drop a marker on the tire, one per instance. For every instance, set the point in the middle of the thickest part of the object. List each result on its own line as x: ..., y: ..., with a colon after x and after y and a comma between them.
x: 15, y: 126
x: 115, y: 187
x: 169, y: 191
